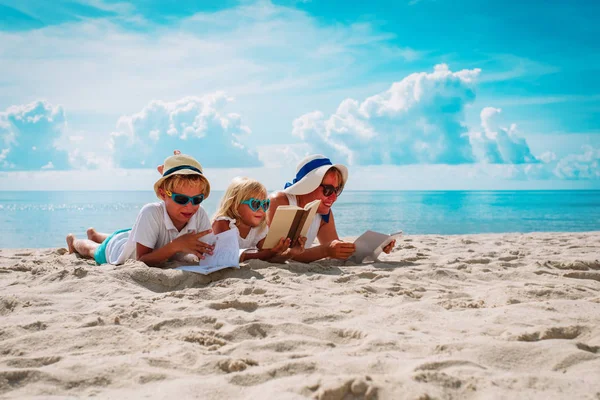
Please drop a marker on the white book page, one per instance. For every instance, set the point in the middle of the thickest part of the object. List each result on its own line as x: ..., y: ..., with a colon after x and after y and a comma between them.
x: 225, y: 255
x: 370, y: 245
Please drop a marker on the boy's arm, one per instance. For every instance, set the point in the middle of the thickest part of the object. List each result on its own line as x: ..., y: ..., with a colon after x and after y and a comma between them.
x: 153, y: 257
x: 188, y: 243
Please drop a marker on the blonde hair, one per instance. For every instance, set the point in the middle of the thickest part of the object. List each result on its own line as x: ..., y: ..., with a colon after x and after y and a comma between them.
x: 240, y: 189
x: 176, y: 180
x: 337, y: 173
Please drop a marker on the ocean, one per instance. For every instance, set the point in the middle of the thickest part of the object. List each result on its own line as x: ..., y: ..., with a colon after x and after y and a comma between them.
x: 37, y: 219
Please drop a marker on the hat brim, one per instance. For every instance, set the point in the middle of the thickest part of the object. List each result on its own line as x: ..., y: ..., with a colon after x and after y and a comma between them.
x: 180, y: 172
x: 313, y: 179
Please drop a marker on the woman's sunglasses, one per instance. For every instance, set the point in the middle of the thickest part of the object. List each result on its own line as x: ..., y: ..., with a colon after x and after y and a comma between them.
x: 182, y: 199
x: 255, y: 204
x: 328, y: 190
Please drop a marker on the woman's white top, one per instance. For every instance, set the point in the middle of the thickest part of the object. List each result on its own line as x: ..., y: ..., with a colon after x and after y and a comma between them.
x: 311, y: 235
x: 255, y: 235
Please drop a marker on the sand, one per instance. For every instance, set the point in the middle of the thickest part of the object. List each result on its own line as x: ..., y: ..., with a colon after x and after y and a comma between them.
x: 451, y: 317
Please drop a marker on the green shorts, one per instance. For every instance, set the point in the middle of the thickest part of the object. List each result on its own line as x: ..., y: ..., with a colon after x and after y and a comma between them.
x: 100, y: 253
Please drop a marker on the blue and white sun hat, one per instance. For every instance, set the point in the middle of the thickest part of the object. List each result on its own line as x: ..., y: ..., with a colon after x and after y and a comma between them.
x: 310, y: 173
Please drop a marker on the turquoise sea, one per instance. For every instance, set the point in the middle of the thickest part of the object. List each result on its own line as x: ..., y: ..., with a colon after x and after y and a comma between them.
x: 42, y: 219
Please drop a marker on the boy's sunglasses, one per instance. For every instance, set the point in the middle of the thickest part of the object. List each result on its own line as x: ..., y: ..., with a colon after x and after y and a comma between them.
x: 182, y: 199
x: 255, y: 204
x: 328, y: 190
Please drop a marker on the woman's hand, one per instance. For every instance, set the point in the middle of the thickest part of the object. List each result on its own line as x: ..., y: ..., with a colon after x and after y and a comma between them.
x: 388, y: 249
x: 340, y: 250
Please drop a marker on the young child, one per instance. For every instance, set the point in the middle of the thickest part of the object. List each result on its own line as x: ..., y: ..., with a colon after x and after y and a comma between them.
x: 244, y: 208
x: 162, y: 230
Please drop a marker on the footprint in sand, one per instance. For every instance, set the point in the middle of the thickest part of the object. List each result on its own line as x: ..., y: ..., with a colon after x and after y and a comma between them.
x: 33, y: 362
x: 591, y: 349
x: 438, y: 378
x: 35, y: 326
x: 249, y: 306
x: 209, y: 339
x: 344, y: 388
x: 177, y: 323
x: 238, y: 365
x: 595, y: 276
x: 441, y: 365
x: 572, y: 360
x: 478, y: 261
x: 345, y: 278
x: 292, y: 368
x: 563, y: 332
x: 19, y: 378
x: 250, y: 290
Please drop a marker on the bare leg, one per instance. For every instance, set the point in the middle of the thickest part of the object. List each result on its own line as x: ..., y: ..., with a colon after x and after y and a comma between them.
x: 84, y: 247
x: 97, y: 237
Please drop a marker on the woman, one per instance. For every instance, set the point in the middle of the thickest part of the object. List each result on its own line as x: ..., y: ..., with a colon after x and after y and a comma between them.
x: 318, y: 178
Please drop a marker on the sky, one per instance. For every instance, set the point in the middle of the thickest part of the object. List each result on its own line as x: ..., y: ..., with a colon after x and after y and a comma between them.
x: 411, y: 95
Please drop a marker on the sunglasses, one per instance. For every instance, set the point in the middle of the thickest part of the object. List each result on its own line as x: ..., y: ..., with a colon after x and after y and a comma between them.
x: 182, y: 199
x: 328, y: 190
x: 255, y: 204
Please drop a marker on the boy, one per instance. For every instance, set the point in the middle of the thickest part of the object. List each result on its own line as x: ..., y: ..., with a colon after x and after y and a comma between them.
x: 161, y: 230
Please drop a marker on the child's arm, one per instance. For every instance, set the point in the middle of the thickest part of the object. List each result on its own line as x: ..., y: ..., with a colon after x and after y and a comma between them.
x: 278, y: 254
x: 266, y: 254
x: 188, y: 243
x: 220, y: 226
x: 290, y: 252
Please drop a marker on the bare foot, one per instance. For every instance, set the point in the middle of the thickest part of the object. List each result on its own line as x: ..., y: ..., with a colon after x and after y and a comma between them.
x: 91, y: 232
x: 93, y: 235
x: 70, y: 240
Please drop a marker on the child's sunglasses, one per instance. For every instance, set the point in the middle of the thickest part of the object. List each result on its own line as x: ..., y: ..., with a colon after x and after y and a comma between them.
x: 328, y: 190
x: 255, y: 204
x: 182, y: 199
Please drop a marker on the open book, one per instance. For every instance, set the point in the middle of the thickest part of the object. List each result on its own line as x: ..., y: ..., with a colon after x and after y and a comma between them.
x: 225, y: 255
x: 290, y: 222
x: 370, y: 244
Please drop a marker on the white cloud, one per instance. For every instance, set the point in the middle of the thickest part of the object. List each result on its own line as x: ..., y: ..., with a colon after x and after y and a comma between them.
x: 29, y: 134
x: 195, y: 125
x: 282, y: 156
x: 101, y: 66
x: 418, y: 120
x: 499, y: 145
x: 580, y: 166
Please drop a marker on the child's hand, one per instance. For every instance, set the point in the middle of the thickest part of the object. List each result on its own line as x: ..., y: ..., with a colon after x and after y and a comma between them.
x: 388, y: 249
x: 190, y: 243
x: 282, y: 245
x: 297, y: 249
x: 340, y: 250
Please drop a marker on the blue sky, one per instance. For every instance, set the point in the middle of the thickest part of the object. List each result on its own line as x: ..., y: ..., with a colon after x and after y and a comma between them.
x: 416, y: 94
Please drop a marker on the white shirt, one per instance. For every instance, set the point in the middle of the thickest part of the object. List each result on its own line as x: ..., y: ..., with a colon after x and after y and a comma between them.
x: 311, y: 235
x: 255, y: 235
x: 153, y: 229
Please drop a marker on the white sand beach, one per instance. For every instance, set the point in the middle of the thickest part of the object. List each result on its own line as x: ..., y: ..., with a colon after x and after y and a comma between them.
x: 499, y: 316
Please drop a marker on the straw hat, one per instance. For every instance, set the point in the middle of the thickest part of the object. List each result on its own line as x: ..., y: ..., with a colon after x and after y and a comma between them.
x: 179, y: 164
x: 310, y: 173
